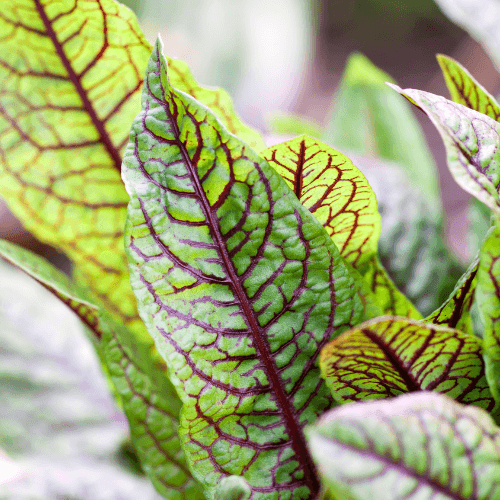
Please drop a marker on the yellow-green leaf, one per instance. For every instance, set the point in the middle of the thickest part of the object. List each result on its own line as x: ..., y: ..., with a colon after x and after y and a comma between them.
x: 339, y: 196
x: 389, y: 356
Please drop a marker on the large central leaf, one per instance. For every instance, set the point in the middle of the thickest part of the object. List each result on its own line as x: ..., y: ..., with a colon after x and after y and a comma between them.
x: 239, y: 285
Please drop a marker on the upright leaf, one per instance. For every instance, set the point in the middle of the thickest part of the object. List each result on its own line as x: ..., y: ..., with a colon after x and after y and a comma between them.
x: 471, y: 140
x: 479, y: 20
x: 339, y: 196
x: 455, y: 312
x: 465, y: 90
x: 148, y: 399
x: 388, y: 356
x: 240, y: 287
x: 423, y: 446
x: 488, y: 299
x: 368, y: 120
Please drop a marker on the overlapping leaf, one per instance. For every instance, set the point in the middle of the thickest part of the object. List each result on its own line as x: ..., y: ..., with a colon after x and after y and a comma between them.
x: 388, y: 356
x: 239, y: 285
x: 471, y: 140
x: 488, y: 299
x: 455, y: 312
x: 149, y: 400
x: 465, y: 90
x: 340, y: 198
x: 70, y: 80
x: 423, y: 446
x: 368, y: 120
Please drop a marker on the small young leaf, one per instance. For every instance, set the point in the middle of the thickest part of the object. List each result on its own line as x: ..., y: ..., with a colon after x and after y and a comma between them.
x: 340, y: 198
x: 471, y: 140
x: 368, y: 120
x: 147, y: 396
x: 455, y: 312
x: 488, y: 299
x: 465, y: 90
x: 423, y: 446
x: 388, y: 356
x: 239, y: 285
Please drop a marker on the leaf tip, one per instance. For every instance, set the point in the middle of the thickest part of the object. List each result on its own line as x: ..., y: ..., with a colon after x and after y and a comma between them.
x: 395, y: 87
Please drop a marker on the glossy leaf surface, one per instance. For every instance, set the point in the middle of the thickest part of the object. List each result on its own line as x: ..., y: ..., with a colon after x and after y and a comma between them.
x: 471, y: 140
x: 240, y: 287
x: 340, y: 198
x: 148, y: 398
x: 70, y: 80
x: 417, y: 446
x: 388, y: 356
x: 368, y: 120
x: 455, y: 312
x: 488, y: 299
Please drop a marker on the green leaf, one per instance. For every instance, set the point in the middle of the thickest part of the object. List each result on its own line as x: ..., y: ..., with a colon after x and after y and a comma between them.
x: 368, y: 120
x: 340, y: 198
x: 471, y: 142
x: 488, y: 299
x: 389, y: 356
x: 479, y: 20
x: 147, y: 396
x: 240, y: 287
x: 466, y: 90
x: 455, y: 312
x: 411, y: 246
x: 423, y: 446
x: 58, y: 421
x: 70, y: 80
x: 289, y: 124
x: 478, y: 217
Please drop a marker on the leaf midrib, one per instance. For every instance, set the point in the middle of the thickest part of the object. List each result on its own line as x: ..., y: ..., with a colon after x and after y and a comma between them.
x: 75, y: 80
x: 295, y: 433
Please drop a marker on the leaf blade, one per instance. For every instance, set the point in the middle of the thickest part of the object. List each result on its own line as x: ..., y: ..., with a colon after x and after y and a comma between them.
x: 197, y: 194
x: 389, y: 356
x: 470, y: 139
x: 340, y: 198
x: 411, y: 446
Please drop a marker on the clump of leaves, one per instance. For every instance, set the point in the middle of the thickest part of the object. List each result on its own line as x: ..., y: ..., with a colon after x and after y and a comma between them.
x: 262, y: 297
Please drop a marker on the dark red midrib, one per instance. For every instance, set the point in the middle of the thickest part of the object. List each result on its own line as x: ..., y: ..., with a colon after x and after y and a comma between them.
x: 298, y: 441
x: 113, y: 152
x: 300, y: 170
x: 395, y: 361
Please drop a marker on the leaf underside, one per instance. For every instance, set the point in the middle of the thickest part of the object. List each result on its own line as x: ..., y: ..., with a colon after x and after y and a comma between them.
x: 340, y: 198
x: 239, y: 286
x: 423, y: 446
x: 471, y: 142
x: 389, y: 356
